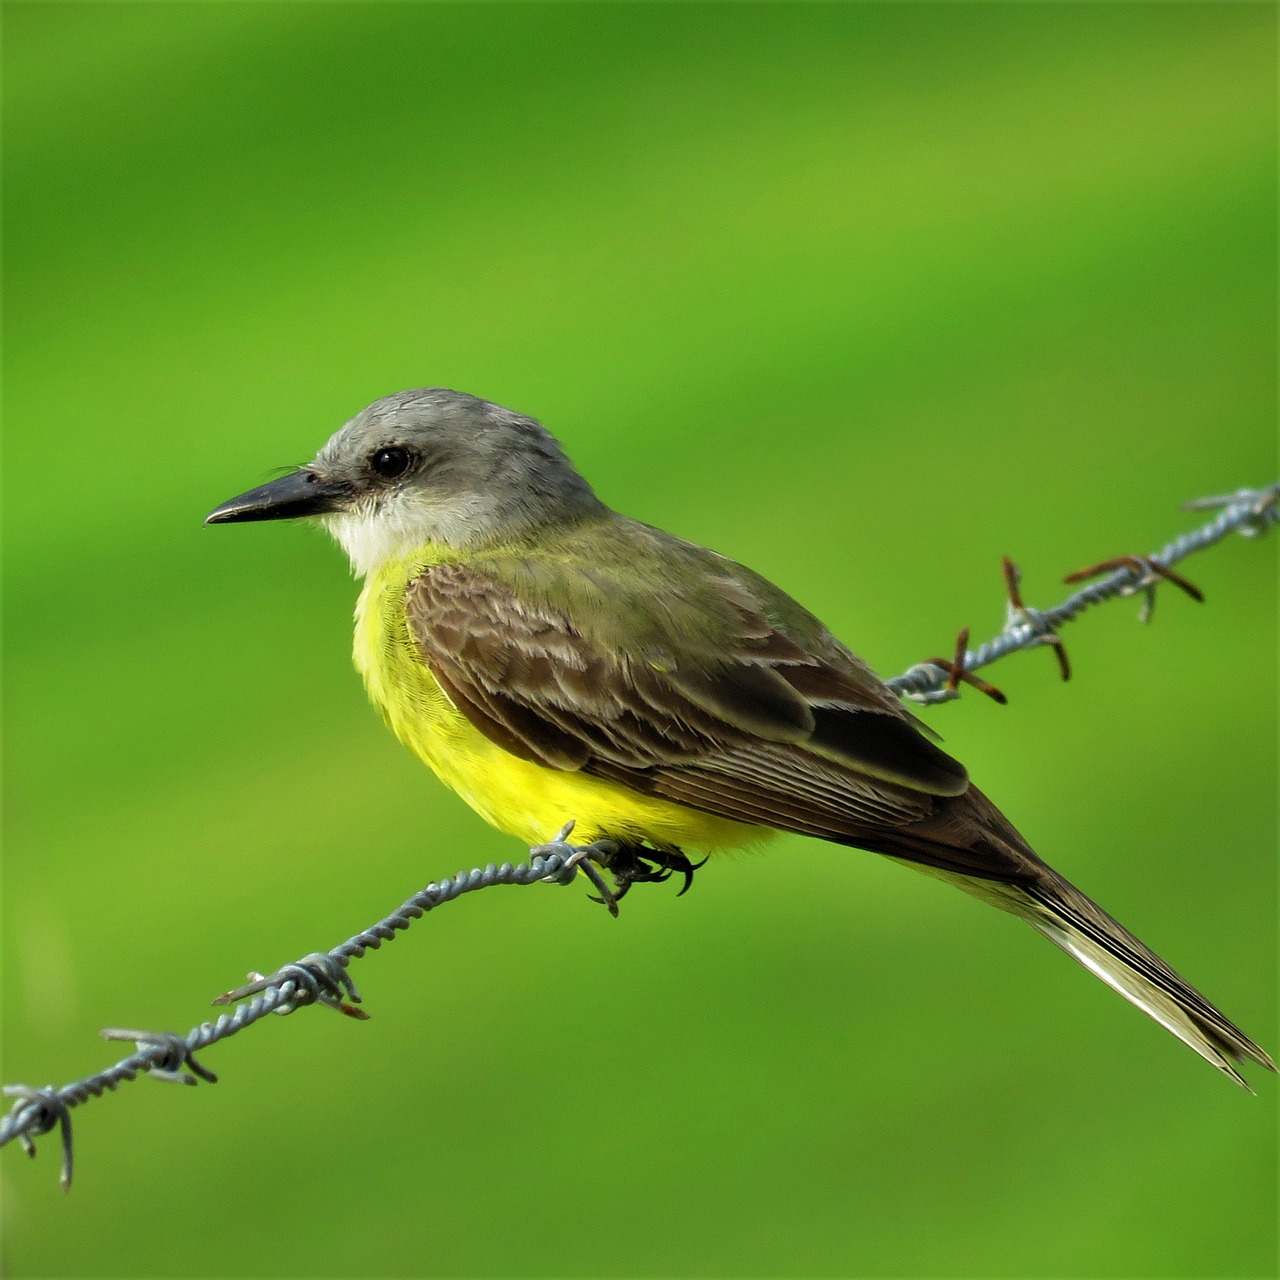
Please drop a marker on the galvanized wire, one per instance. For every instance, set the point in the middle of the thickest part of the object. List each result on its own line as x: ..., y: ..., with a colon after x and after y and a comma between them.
x: 322, y: 977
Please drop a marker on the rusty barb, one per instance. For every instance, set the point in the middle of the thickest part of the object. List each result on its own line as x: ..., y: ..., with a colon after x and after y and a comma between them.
x: 1022, y: 622
x: 322, y: 978
x: 957, y: 672
x: 1147, y: 575
x: 1020, y: 616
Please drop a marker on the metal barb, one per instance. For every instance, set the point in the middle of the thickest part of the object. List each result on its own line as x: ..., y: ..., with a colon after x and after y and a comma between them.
x: 318, y: 978
x: 177, y: 1054
x: 1021, y: 619
x: 960, y: 669
x: 575, y: 859
x: 42, y: 1109
x: 1146, y: 572
x: 1263, y: 505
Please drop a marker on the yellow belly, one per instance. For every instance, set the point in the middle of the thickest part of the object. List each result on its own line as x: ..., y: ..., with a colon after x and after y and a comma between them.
x: 519, y: 797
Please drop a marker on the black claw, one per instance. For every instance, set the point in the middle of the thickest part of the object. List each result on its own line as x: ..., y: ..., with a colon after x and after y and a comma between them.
x: 687, y: 871
x: 639, y: 865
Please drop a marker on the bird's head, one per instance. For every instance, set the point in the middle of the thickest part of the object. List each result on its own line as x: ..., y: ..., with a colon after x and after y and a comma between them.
x: 422, y: 467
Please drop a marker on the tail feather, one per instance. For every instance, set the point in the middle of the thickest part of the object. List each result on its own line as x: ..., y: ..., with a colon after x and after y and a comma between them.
x: 1058, y: 910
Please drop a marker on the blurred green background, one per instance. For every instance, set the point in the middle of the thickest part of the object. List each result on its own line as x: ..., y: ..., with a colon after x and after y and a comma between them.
x: 864, y: 296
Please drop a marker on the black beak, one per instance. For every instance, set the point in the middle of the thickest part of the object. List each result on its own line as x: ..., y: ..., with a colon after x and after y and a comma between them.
x: 302, y: 493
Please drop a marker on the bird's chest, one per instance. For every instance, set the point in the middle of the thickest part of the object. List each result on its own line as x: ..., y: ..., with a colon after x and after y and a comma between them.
x: 399, y: 683
x: 514, y: 795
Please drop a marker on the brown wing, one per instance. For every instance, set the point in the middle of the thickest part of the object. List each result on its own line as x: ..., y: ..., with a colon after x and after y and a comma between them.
x: 756, y: 729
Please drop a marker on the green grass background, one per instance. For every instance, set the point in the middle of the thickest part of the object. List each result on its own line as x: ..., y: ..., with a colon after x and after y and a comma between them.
x: 864, y: 296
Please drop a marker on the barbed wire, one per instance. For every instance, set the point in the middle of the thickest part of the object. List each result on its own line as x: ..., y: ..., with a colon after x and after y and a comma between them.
x: 322, y: 977
x: 1248, y: 511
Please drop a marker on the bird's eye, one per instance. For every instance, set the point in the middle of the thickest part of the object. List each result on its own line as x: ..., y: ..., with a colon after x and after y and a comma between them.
x: 391, y: 462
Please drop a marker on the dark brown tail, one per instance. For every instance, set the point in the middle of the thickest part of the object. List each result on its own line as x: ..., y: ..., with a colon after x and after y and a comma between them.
x: 1083, y: 930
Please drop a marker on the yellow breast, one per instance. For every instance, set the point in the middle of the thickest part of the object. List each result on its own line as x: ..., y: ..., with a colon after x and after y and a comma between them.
x: 519, y: 797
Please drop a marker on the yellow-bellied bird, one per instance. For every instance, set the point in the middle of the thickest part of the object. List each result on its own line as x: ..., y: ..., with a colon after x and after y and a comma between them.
x: 551, y: 659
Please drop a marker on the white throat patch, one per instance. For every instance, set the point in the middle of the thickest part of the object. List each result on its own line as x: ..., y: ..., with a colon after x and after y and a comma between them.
x: 403, y: 523
x: 373, y: 537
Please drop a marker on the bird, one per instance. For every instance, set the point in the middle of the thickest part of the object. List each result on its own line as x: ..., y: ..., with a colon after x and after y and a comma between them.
x: 555, y: 661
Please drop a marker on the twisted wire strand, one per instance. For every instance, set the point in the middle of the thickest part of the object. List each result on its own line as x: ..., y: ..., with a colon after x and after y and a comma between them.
x: 323, y: 978
x: 37, y: 1111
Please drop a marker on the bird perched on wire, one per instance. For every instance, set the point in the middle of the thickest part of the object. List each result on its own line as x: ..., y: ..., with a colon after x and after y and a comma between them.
x: 551, y: 659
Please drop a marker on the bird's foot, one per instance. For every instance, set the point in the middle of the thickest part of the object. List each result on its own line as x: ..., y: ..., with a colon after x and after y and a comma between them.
x: 636, y: 864
x: 626, y: 864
